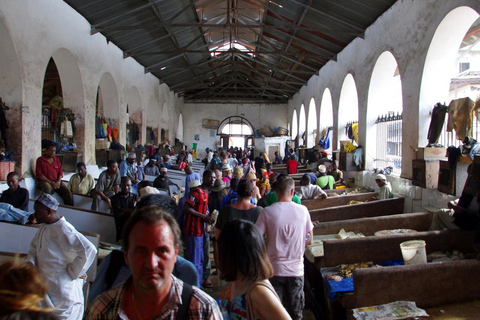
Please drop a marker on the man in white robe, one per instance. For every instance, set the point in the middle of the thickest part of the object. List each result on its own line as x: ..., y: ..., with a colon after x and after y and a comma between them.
x: 63, y: 256
x: 385, y: 191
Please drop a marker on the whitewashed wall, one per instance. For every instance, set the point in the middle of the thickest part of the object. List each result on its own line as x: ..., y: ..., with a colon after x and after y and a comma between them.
x: 406, y: 30
x: 34, y: 31
x: 273, y: 115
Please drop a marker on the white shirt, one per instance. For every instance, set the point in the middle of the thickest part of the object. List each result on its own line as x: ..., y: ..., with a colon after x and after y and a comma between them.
x: 286, y: 225
x: 233, y: 162
x: 62, y: 254
x: 312, y: 191
x: 385, y: 191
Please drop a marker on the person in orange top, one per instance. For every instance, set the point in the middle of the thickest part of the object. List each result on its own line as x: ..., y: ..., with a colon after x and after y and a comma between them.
x: 49, y: 175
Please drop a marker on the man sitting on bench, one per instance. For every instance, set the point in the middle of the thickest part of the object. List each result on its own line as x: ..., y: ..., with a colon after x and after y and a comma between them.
x: 15, y: 195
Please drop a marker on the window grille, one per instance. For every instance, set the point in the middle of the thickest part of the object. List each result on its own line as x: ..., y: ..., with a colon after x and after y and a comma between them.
x: 448, y: 139
x: 389, y: 142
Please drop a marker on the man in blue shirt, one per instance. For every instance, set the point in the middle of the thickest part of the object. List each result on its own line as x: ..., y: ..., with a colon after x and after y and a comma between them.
x: 128, y: 168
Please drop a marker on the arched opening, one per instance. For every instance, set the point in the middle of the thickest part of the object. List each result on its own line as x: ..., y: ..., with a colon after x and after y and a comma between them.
x: 294, y: 125
x: 326, y: 121
x: 312, y: 124
x: 107, y: 113
x: 53, y: 111
x: 235, y: 131
x: 348, y: 108
x: 134, y: 120
x: 153, y: 120
x: 180, y: 128
x: 165, y: 134
x: 11, y: 89
x: 71, y: 117
x: 441, y: 64
x: 302, y: 126
x: 384, y: 115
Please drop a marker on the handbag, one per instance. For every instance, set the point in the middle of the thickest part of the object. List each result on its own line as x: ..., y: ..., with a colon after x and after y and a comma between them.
x: 267, y: 284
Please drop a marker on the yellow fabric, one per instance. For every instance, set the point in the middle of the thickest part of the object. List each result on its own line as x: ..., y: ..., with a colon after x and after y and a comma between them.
x: 355, y: 132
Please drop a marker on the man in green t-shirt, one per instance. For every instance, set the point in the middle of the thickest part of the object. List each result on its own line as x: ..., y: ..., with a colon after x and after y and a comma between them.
x: 325, y: 181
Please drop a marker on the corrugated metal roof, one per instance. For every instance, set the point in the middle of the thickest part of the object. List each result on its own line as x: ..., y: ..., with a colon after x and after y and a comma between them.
x: 271, y: 47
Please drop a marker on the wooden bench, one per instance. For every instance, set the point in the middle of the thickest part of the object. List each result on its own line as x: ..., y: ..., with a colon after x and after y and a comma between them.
x: 429, y: 285
x: 86, y: 220
x: 85, y: 202
x: 335, y: 201
x: 419, y: 221
x: 384, y: 248
x: 378, y: 249
x: 16, y: 238
x: 177, y: 180
x: 362, y: 210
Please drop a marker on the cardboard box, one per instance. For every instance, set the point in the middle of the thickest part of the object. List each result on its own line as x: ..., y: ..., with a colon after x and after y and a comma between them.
x: 431, y: 153
x: 102, y: 144
x: 343, y: 143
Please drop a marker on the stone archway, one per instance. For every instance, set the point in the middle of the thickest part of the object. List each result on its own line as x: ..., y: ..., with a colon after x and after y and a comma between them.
x: 439, y: 64
x: 136, y: 115
x: 348, y: 106
x: 326, y: 114
x: 311, y: 124
x: 384, y: 98
x: 11, y: 89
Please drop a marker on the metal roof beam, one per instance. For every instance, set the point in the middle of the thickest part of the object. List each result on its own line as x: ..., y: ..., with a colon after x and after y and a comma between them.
x: 271, y: 66
x: 126, y: 13
x: 343, y: 21
x: 206, y: 75
x: 168, y: 24
x: 184, y: 50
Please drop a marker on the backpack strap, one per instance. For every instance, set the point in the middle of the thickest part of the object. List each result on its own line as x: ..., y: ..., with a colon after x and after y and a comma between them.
x: 187, y: 292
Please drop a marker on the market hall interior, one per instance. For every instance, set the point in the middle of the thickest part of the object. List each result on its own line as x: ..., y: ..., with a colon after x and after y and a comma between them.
x: 407, y: 61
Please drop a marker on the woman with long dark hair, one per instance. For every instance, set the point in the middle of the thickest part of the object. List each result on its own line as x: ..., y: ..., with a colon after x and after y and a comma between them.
x: 244, y: 262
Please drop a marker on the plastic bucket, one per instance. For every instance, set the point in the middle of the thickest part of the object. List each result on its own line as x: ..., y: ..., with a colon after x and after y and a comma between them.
x: 414, y: 252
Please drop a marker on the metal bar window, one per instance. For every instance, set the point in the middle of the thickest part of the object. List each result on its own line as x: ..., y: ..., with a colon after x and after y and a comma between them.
x: 448, y: 139
x: 389, y: 142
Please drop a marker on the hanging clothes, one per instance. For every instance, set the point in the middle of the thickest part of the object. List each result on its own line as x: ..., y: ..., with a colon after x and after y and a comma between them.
x: 460, y: 117
x: 3, y: 127
x: 324, y: 142
x: 436, y: 123
x: 115, y: 134
x: 53, y: 117
x: 354, y: 128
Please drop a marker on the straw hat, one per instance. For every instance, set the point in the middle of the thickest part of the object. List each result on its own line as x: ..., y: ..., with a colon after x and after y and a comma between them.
x: 226, y: 167
x: 194, y: 184
x: 251, y: 176
x: 218, y: 186
x: 238, y: 173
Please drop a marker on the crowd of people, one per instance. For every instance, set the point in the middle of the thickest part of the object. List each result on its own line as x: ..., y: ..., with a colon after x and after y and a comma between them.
x: 250, y: 215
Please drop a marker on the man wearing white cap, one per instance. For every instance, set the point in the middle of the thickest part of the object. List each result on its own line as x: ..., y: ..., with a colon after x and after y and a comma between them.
x: 325, y: 181
x: 63, y: 256
x: 128, y: 168
x: 385, y: 191
x: 196, y: 210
